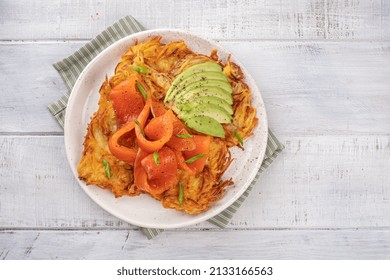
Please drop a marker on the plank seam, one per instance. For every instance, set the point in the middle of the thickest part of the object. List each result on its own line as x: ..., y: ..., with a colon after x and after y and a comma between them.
x: 8, y: 229
x: 85, y: 40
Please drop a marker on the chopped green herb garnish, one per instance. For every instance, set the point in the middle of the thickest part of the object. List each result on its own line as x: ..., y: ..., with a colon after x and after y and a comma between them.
x: 183, y: 135
x: 239, y: 139
x: 181, y: 193
x: 140, y: 127
x: 140, y: 69
x: 107, y: 169
x: 195, y: 158
x: 156, y: 158
x: 142, y: 90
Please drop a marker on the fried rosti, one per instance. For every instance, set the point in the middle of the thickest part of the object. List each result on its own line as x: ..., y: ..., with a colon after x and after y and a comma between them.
x: 162, y: 63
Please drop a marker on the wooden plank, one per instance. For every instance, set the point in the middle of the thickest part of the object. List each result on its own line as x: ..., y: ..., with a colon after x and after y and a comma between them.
x: 308, y: 87
x: 318, y: 182
x: 250, y: 19
x: 262, y: 244
x: 32, y: 84
x: 326, y: 88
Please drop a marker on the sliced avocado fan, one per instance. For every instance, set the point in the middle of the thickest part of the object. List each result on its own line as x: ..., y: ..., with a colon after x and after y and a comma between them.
x: 206, y: 125
x: 207, y: 66
x: 201, y: 96
x: 188, y: 104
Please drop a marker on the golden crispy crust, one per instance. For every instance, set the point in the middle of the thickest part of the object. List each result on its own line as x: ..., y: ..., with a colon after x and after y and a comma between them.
x: 244, y: 117
x: 164, y: 63
x: 91, y: 168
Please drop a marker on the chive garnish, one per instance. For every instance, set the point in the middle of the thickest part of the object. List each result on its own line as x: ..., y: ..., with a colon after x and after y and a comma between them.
x: 142, y: 90
x: 140, y: 127
x: 195, y: 158
x: 107, y: 169
x: 181, y: 193
x: 156, y: 158
x: 239, y: 139
x: 140, y: 69
x: 183, y: 135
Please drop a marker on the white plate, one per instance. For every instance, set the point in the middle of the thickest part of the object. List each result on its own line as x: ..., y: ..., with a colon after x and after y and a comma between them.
x: 143, y: 210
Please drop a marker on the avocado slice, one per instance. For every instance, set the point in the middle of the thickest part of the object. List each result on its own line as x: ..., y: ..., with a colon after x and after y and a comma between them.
x: 202, y: 100
x: 183, y: 83
x: 204, y: 67
x: 211, y: 83
x: 210, y: 110
x: 204, y: 91
x: 206, y: 125
x: 219, y: 91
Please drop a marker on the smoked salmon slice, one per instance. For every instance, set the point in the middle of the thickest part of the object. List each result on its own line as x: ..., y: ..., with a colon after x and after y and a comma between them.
x: 126, y: 100
x: 202, y: 148
x: 158, y: 108
x: 127, y: 154
x: 181, y: 139
x: 158, y: 130
x: 152, y: 177
x: 181, y: 164
x: 122, y: 152
x: 166, y: 164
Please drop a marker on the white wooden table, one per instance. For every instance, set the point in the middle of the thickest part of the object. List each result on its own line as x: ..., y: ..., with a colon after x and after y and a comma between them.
x: 323, y: 68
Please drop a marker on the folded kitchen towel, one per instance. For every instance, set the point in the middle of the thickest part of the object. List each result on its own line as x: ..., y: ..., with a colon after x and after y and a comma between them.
x: 70, y: 68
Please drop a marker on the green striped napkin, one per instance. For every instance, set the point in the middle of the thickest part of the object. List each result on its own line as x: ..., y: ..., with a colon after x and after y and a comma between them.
x: 71, y: 67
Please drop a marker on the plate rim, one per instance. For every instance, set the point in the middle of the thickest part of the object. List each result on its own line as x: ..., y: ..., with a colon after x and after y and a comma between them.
x: 194, y: 218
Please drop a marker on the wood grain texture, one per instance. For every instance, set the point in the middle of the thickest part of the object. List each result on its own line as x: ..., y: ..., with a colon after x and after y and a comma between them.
x: 308, y: 87
x: 323, y: 69
x: 318, y: 182
x: 262, y: 244
x: 249, y: 19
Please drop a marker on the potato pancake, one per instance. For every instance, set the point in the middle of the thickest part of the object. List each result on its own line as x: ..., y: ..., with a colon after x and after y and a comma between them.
x: 123, y: 148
